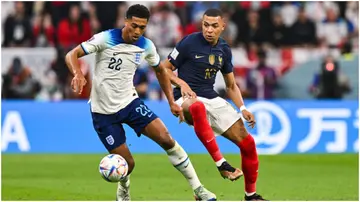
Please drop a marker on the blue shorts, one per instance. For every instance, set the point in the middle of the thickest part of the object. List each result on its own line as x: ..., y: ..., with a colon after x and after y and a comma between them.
x: 109, y: 126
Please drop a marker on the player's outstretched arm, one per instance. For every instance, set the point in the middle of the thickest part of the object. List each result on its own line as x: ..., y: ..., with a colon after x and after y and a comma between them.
x: 71, y: 59
x: 234, y: 94
x: 176, y: 81
x: 164, y: 80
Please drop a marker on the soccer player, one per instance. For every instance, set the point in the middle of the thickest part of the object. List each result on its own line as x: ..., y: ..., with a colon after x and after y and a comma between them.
x: 114, y: 100
x: 198, y: 57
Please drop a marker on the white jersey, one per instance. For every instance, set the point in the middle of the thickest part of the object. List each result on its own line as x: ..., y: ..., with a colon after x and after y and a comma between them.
x: 116, y: 63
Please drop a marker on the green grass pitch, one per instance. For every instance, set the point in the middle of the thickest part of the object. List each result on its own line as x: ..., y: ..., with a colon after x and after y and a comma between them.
x: 76, y: 177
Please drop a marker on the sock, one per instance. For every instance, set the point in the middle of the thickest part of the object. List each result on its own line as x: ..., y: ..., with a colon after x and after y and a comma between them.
x: 182, y: 163
x: 125, y: 182
x: 204, y: 131
x: 249, y: 163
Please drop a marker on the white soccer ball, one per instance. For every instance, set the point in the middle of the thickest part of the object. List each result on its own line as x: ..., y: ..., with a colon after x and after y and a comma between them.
x: 113, y: 168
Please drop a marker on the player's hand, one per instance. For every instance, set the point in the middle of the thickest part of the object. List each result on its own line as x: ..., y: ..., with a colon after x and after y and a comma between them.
x: 186, y: 92
x: 249, y: 117
x: 78, y: 83
x: 177, y: 111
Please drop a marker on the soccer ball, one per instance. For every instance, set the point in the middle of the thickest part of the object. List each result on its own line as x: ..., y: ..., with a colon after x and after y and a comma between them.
x: 113, y: 168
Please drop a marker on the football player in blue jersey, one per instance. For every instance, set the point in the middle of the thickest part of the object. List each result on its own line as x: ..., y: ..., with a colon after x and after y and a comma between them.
x: 197, y: 58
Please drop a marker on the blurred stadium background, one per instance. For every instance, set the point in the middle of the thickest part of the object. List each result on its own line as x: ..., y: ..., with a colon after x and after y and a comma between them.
x: 296, y: 63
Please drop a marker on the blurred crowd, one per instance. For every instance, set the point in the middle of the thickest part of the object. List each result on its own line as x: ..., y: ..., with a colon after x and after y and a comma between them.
x: 253, y: 26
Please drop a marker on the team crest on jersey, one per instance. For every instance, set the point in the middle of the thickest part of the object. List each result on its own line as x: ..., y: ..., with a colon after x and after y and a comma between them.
x: 137, y: 57
x: 110, y: 140
x: 211, y: 59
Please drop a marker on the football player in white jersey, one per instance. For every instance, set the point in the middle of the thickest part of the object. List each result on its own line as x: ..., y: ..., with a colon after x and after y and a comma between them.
x: 114, y: 100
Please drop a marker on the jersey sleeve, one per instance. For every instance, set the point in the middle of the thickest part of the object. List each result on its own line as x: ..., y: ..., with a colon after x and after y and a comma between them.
x: 178, y: 54
x: 96, y: 43
x: 228, y: 66
x: 152, y: 57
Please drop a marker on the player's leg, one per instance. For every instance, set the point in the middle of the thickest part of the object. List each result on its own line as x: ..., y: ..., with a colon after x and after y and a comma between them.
x: 157, y: 131
x: 196, y: 115
x: 112, y: 135
x: 144, y: 121
x: 238, y: 134
x: 123, y: 190
x: 227, y: 122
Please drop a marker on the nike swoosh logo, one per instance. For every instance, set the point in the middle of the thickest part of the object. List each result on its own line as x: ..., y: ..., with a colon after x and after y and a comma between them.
x: 116, y: 53
x: 187, y: 165
x: 198, y: 56
x: 209, y: 140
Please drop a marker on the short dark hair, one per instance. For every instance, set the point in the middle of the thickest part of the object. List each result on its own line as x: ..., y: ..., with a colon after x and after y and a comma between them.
x: 139, y: 11
x: 213, y: 12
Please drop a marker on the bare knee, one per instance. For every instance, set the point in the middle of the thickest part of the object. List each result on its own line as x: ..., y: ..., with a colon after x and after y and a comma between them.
x: 237, y: 132
x: 187, y: 103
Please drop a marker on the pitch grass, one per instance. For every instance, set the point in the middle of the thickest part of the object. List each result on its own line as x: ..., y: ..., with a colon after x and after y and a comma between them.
x: 76, y: 177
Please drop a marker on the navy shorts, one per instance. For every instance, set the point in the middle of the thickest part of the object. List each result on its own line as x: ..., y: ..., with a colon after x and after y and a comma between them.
x: 109, y: 126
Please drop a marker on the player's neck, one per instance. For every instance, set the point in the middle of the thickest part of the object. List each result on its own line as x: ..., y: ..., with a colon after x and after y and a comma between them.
x: 214, y: 43
x: 125, y: 36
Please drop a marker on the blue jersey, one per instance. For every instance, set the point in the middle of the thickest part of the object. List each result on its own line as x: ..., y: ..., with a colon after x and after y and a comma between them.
x: 198, y: 62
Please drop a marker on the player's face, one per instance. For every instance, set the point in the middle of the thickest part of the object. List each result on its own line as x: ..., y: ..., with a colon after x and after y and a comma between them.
x: 136, y: 27
x: 212, y: 27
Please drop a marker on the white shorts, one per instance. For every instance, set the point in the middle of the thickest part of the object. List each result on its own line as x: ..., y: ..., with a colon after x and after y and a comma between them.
x: 220, y: 113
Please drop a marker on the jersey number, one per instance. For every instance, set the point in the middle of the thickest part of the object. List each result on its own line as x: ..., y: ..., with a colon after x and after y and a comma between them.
x: 115, y: 64
x: 144, y: 111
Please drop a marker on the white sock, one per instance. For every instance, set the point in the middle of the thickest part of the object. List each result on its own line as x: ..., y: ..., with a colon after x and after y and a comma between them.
x: 125, y: 182
x: 181, y: 162
x: 219, y: 162
x: 249, y: 194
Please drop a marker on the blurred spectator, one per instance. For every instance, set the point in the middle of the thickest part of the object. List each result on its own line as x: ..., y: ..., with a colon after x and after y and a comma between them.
x: 316, y: 10
x: 94, y: 21
x: 51, y: 90
x: 17, y: 28
x: 195, y: 25
x: 289, y: 13
x: 59, y: 67
x: 43, y: 31
x: 280, y: 32
x: 254, y: 5
x: 352, y: 14
x: 231, y: 30
x: 261, y: 81
x: 121, y: 12
x: 18, y: 82
x: 332, y: 32
x: 74, y: 29
x: 303, y: 31
x: 107, y: 13
x: 253, y: 31
x: 180, y: 10
x: 330, y: 83
x: 164, y: 27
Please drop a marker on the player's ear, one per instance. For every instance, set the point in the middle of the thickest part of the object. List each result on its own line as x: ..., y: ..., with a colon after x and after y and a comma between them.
x: 223, y: 27
x: 223, y: 24
x: 127, y: 20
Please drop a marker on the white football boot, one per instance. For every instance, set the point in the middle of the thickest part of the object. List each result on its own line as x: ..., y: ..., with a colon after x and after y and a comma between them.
x: 202, y: 194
